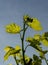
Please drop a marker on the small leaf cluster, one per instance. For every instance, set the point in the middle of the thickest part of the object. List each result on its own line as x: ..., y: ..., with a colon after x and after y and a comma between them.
x: 35, y: 42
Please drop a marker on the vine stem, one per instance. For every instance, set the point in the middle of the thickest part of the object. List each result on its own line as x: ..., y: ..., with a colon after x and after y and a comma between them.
x: 45, y: 61
x: 27, y: 46
x: 23, y: 43
x: 22, y: 40
x: 15, y: 60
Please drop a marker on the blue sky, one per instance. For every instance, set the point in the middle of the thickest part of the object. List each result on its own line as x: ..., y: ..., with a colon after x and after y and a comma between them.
x: 13, y: 11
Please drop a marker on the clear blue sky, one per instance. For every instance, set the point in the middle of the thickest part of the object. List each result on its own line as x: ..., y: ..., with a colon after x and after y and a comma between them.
x: 13, y: 11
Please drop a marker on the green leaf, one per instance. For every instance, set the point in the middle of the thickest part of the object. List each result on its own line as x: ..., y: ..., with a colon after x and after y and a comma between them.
x: 11, y: 52
x: 36, y: 42
x: 35, y: 57
x: 37, y: 63
x: 37, y: 47
x: 37, y: 60
x: 46, y: 34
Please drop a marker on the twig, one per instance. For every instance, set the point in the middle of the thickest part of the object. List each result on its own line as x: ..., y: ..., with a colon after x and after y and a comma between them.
x: 15, y: 60
x: 27, y: 46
